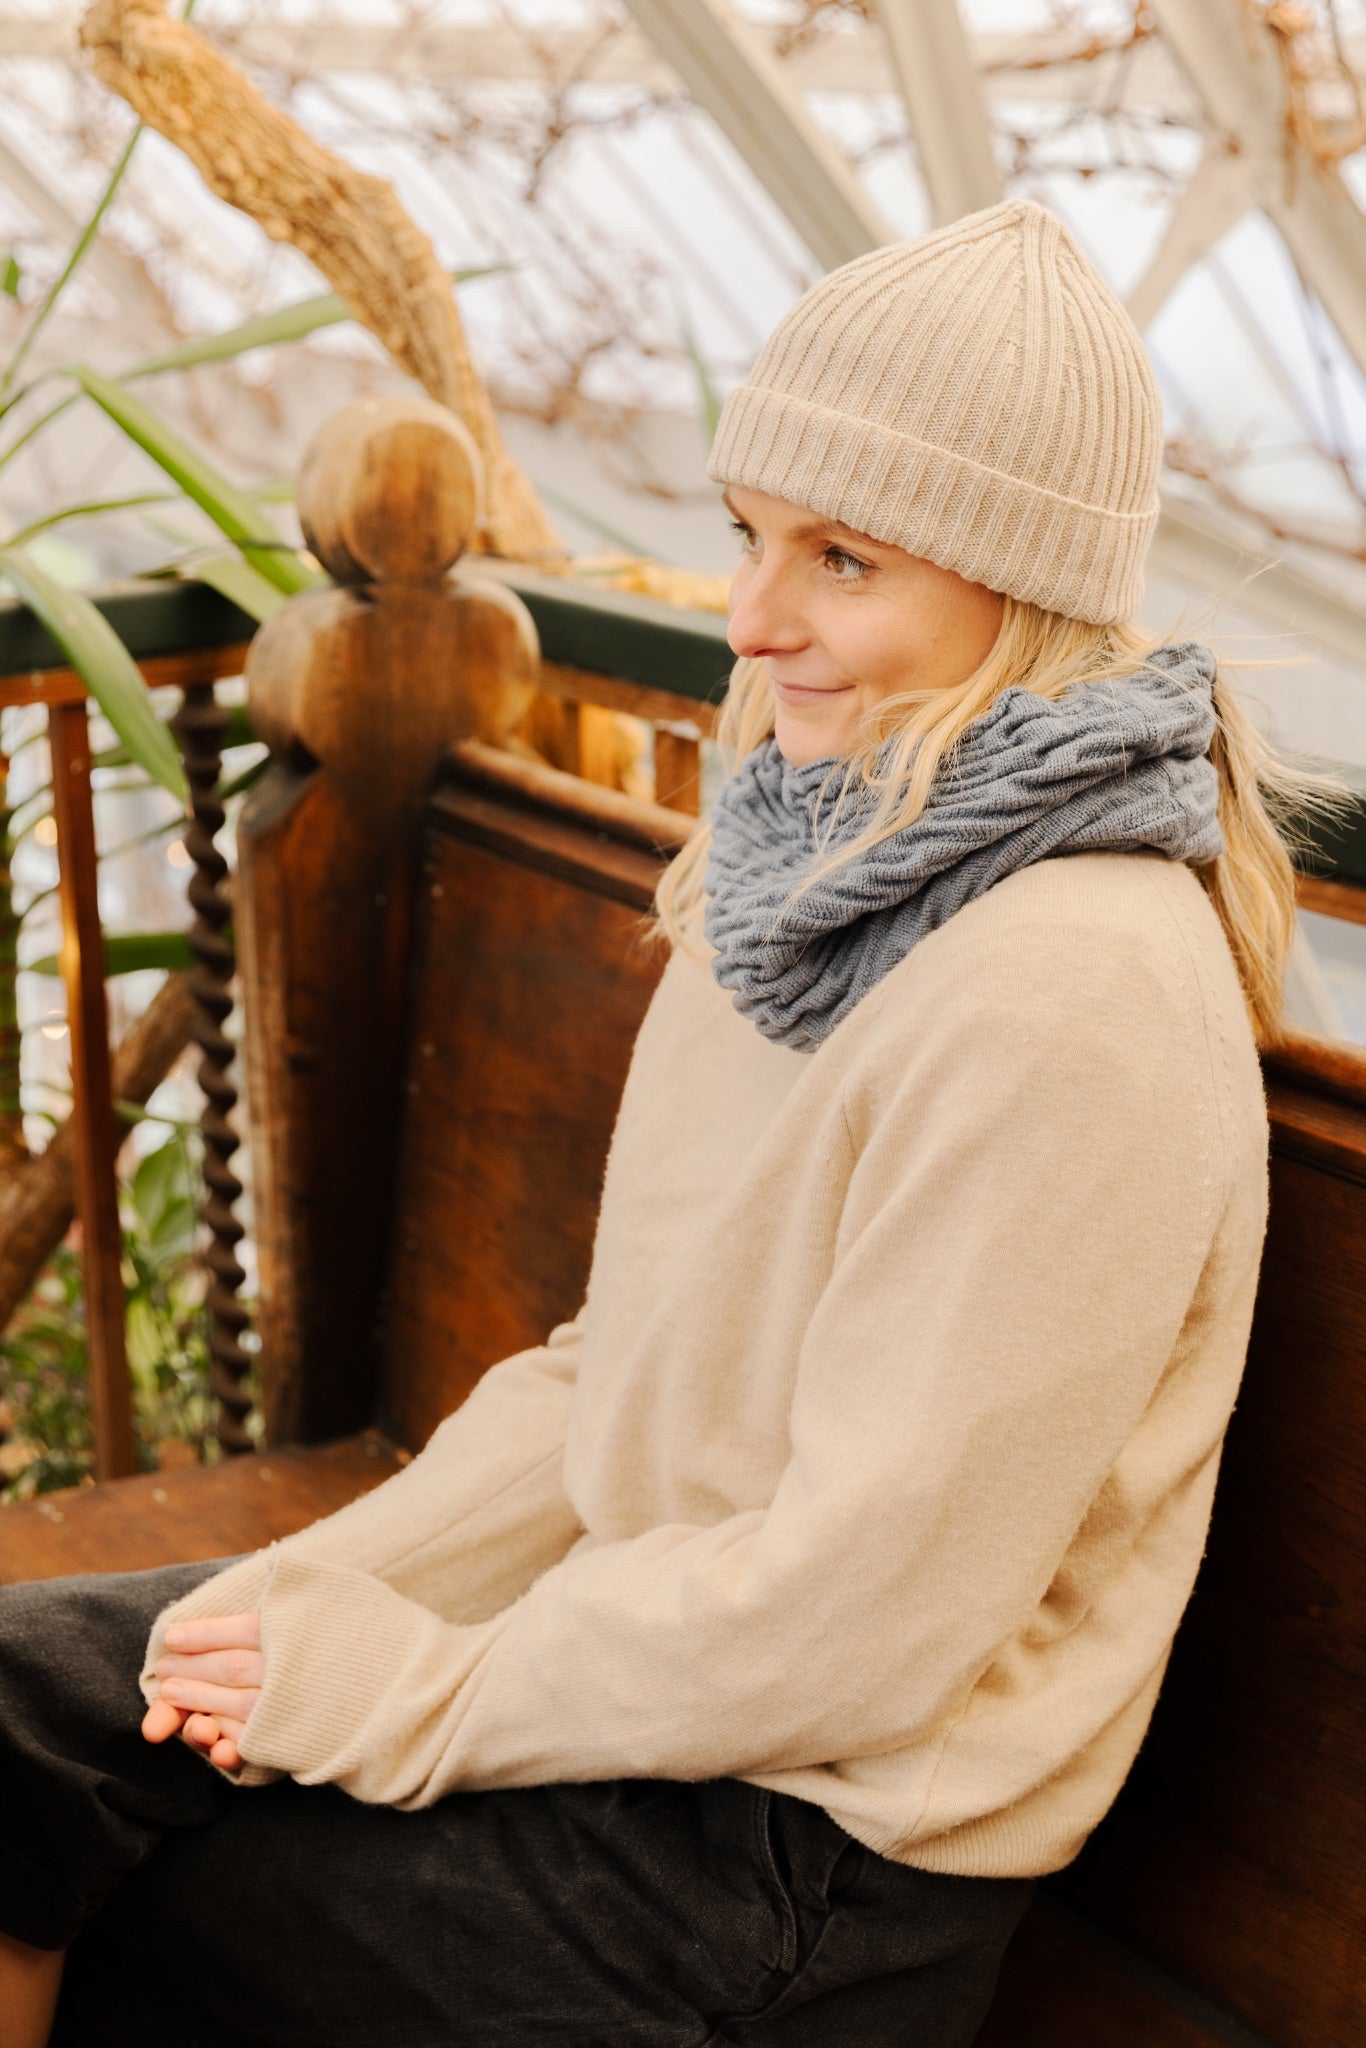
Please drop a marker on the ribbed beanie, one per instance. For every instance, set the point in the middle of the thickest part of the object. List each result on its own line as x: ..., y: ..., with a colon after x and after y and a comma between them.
x: 978, y: 397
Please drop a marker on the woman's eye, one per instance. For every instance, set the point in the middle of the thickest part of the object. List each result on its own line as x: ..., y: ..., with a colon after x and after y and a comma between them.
x: 845, y: 567
x: 848, y: 568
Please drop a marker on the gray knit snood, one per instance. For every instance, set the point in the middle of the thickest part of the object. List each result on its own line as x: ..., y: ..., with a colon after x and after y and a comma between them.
x: 1114, y: 767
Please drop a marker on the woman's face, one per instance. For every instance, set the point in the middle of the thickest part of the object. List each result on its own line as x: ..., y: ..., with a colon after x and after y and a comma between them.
x: 841, y: 621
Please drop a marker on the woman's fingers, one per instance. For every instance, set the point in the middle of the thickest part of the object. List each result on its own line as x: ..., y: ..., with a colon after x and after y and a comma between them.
x: 161, y: 1720
x: 215, y: 1632
x: 198, y: 1696
x: 202, y: 1730
x: 211, y: 1674
x: 219, y: 1667
x: 216, y: 1735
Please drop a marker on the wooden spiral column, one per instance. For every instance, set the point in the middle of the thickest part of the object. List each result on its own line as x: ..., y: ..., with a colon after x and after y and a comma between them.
x: 199, y: 726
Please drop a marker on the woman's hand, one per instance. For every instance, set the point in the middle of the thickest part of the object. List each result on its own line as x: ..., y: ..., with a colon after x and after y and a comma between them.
x: 211, y: 1672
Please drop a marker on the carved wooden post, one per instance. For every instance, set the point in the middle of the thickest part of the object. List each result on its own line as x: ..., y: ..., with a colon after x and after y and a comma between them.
x: 358, y: 690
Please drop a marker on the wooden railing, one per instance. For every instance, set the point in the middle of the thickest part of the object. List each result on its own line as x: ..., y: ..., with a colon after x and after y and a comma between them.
x: 600, y: 650
x: 61, y: 691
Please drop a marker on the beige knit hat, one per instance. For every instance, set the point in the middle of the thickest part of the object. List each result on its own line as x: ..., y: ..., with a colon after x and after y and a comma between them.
x: 978, y: 397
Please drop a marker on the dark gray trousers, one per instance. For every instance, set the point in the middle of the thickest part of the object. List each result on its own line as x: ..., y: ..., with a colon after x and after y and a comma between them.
x: 636, y: 1913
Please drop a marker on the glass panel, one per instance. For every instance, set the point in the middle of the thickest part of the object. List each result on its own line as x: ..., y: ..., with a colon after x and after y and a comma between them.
x: 1328, y: 978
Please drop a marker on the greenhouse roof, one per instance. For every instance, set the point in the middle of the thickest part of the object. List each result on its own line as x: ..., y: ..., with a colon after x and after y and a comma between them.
x: 653, y: 184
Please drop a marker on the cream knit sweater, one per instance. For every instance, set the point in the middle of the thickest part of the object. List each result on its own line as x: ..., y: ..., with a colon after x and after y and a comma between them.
x: 878, y: 1465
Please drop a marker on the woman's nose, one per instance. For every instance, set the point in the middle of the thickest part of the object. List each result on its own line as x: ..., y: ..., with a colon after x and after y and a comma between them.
x: 763, y: 619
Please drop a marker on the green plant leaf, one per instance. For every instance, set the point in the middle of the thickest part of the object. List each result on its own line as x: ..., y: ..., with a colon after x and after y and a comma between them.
x: 233, y: 577
x: 130, y: 953
x: 162, y: 1190
x: 267, y: 330
x: 233, y: 511
x: 88, y: 235
x: 11, y: 277
x: 92, y: 509
x: 73, y: 262
x: 247, y: 778
x: 104, y: 664
x: 34, y: 427
x: 239, y: 732
x: 706, y: 390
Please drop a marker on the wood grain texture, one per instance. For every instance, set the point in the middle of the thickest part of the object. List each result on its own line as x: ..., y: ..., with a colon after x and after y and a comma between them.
x: 179, y: 1517
x: 1317, y: 1125
x: 390, y: 491
x: 678, y: 771
x: 620, y: 693
x: 178, y: 671
x: 1323, y: 1066
x: 568, y: 799
x: 358, y: 692
x: 1236, y: 1853
x: 92, y: 1101
x: 533, y: 975
x: 1345, y: 900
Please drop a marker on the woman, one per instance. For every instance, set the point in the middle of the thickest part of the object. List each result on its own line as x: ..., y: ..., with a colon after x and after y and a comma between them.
x: 728, y: 1667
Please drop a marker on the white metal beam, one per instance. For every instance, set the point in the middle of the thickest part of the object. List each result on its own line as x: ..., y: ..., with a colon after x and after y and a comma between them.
x: 731, y: 73
x: 1231, y: 57
x: 1202, y: 551
x: 1326, y: 234
x: 1221, y: 189
x: 934, y: 68
x: 1036, y: 65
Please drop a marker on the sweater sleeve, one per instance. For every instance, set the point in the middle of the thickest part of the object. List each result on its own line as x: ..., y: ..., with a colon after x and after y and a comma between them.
x: 1033, y: 1187
x: 460, y: 1532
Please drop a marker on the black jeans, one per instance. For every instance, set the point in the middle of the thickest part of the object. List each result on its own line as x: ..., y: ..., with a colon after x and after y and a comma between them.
x: 628, y: 1914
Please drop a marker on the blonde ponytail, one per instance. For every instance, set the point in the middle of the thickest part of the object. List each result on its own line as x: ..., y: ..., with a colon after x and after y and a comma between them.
x: 1265, y: 800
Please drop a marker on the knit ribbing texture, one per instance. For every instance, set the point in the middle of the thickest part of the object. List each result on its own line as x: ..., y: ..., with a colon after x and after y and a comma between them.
x: 1115, y: 767
x: 978, y: 397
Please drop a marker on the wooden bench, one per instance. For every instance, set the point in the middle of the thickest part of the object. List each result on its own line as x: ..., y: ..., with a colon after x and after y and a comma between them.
x: 421, y: 1218
x: 199, y: 1512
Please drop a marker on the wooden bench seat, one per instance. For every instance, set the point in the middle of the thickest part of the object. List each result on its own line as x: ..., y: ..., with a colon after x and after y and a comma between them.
x: 180, y: 1517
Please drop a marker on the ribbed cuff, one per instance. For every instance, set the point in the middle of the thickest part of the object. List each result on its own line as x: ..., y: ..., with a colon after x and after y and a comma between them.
x: 990, y: 528
x: 356, y: 1676
x: 238, y: 1590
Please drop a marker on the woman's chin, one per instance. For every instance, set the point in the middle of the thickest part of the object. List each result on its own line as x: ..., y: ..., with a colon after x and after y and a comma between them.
x: 809, y: 736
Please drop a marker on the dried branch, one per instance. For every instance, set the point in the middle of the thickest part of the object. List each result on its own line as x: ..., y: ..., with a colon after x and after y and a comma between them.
x: 1311, y: 50
x: 350, y: 224
x: 1186, y: 460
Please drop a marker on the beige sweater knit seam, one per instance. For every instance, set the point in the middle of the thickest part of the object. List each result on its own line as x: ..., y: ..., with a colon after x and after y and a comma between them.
x: 1216, y: 1068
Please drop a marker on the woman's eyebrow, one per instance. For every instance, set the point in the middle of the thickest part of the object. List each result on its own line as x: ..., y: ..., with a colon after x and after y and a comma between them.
x: 811, y: 529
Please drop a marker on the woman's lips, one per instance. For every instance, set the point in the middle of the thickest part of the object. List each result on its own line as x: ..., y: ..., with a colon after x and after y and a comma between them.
x: 803, y: 693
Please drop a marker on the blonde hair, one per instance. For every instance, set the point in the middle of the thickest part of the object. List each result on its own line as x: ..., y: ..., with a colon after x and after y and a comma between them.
x: 1265, y: 800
